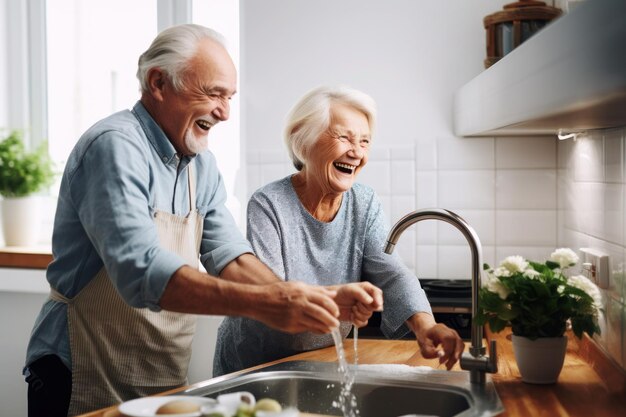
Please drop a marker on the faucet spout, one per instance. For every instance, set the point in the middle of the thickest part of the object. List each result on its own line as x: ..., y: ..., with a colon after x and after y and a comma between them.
x: 476, y: 362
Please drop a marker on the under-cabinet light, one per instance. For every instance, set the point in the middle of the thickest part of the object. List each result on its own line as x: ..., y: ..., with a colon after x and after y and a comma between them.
x: 572, y: 135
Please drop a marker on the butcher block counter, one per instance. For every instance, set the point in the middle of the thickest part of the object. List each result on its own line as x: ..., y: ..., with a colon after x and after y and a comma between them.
x: 589, y: 385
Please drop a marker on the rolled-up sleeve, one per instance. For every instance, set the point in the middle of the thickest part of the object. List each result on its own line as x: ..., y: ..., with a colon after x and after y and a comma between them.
x: 222, y: 242
x: 110, y: 192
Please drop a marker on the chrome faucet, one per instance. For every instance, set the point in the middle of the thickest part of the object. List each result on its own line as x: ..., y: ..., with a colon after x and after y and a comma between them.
x: 476, y: 362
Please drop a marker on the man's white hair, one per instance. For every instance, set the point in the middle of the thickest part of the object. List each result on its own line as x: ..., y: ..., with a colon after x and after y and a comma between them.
x: 171, y: 50
x: 311, y: 116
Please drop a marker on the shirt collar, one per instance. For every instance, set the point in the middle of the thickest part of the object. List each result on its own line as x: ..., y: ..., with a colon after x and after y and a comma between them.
x: 159, y: 140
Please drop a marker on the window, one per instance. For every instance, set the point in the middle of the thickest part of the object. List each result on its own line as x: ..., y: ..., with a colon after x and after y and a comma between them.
x: 69, y: 63
x: 92, y: 51
x: 72, y: 62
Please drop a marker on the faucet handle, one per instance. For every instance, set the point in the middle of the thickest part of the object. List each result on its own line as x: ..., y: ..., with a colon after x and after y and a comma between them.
x: 481, y: 363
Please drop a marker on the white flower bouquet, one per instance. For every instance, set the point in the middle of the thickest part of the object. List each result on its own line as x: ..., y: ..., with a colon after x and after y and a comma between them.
x: 537, y: 299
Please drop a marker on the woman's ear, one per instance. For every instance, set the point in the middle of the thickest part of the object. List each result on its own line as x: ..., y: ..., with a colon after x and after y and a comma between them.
x: 156, y: 83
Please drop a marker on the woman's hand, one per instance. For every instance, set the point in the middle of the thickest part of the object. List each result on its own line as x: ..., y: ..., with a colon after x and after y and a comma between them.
x: 357, y: 301
x: 430, y: 335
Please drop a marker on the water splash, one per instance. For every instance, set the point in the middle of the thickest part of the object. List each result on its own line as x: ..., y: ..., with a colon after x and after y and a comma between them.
x: 355, y: 337
x: 347, y: 400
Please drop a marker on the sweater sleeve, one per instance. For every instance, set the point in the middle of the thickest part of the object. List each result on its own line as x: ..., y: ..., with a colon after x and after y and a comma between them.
x: 402, y: 292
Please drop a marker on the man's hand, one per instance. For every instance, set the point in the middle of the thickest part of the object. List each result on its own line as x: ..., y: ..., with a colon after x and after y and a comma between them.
x: 357, y: 301
x: 291, y: 307
x: 431, y: 335
x: 295, y: 307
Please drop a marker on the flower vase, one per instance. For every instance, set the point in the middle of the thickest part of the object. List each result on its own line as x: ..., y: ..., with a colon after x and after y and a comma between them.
x: 539, y: 361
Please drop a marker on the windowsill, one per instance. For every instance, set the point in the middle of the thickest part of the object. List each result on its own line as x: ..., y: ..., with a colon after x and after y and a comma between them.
x: 31, y: 257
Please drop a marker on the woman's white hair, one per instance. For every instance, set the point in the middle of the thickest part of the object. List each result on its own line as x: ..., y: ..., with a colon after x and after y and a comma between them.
x: 311, y: 116
x: 171, y: 50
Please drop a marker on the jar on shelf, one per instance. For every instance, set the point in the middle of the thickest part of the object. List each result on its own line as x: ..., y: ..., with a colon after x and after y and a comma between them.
x: 509, y: 28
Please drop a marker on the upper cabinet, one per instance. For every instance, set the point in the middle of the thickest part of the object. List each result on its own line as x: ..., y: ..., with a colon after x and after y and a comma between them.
x: 571, y: 76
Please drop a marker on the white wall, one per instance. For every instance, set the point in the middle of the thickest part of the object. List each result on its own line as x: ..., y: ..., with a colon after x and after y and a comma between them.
x: 411, y: 56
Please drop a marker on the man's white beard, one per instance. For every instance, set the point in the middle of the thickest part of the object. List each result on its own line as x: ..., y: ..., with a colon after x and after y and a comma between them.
x: 196, y: 145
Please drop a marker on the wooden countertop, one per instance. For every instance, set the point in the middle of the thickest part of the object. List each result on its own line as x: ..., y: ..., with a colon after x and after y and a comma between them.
x: 589, y: 384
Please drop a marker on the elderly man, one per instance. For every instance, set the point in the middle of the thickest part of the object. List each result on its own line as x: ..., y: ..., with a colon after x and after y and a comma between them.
x: 140, y: 204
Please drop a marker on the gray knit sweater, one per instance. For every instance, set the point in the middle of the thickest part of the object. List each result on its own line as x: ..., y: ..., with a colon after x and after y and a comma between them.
x: 296, y: 246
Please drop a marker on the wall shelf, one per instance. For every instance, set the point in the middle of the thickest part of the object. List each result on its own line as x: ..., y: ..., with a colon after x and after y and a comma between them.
x: 569, y: 76
x: 25, y: 257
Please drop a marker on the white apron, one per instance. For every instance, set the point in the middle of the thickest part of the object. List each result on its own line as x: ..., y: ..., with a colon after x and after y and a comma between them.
x: 120, y: 352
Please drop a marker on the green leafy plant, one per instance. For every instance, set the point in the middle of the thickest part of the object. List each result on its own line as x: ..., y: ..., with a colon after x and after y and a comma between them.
x: 538, y: 299
x: 23, y: 173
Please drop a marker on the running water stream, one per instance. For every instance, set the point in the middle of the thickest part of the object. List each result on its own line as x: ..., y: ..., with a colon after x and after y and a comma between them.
x: 347, y: 400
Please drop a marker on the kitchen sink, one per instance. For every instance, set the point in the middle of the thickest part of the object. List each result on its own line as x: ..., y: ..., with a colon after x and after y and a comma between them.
x: 380, y: 390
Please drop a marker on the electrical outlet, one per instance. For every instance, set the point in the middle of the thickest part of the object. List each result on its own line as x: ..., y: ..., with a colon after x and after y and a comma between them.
x: 595, y: 265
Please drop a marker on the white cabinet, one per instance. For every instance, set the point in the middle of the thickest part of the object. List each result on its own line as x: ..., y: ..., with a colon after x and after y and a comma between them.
x: 19, y: 306
x: 570, y: 76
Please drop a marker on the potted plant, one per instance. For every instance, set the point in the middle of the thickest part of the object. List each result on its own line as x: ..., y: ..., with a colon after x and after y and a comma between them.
x: 540, y: 303
x: 22, y: 175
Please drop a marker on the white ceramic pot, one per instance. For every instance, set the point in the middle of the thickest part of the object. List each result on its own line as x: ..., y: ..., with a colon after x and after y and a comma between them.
x: 21, y: 220
x: 539, y: 361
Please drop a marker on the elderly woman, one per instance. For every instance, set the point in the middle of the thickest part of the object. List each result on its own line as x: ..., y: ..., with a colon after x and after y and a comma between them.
x: 321, y: 227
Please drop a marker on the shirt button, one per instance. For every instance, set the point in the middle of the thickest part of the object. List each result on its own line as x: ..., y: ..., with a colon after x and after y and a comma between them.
x: 164, y: 159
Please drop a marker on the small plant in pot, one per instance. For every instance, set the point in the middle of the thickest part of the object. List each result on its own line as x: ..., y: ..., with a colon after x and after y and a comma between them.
x: 23, y: 174
x: 540, y: 302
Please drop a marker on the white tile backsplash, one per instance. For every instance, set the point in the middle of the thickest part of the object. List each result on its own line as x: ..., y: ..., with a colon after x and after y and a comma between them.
x: 379, y: 152
x: 426, y: 183
x: 589, y: 158
x: 613, y: 156
x: 403, y: 177
x: 526, y: 189
x: 406, y: 248
x: 401, y: 205
x: 537, y: 253
x: 377, y: 174
x: 466, y: 189
x: 613, y: 227
x: 426, y: 261
x: 526, y: 228
x: 525, y: 152
x: 426, y: 155
x: 591, y: 203
x: 402, y: 153
x: 465, y: 153
x: 454, y: 262
x: 427, y: 232
x: 482, y: 221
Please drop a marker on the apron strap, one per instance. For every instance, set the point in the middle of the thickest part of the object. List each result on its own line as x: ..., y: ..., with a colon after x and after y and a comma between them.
x: 191, y: 180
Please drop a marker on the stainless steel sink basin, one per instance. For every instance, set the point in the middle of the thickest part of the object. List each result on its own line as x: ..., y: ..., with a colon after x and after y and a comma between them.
x: 380, y: 390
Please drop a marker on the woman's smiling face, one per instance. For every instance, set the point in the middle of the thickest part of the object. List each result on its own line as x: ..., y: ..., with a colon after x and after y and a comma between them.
x: 341, y: 151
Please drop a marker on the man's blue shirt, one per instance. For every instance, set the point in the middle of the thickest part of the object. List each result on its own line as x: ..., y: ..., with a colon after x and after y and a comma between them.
x: 120, y: 171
